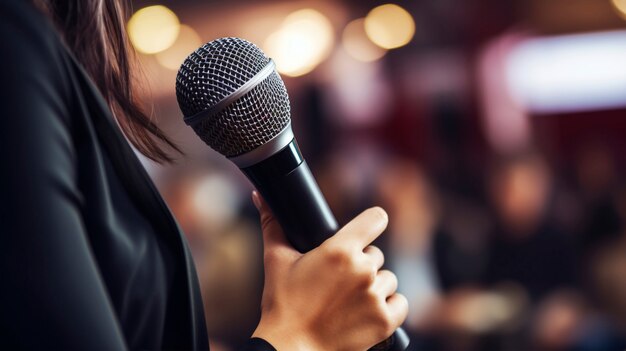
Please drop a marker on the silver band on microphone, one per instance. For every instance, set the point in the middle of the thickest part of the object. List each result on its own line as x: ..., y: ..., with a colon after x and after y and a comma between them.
x: 266, y: 150
x: 232, y: 97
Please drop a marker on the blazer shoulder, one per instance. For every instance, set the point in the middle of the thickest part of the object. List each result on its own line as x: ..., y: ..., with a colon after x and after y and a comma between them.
x: 24, y: 26
x: 34, y: 60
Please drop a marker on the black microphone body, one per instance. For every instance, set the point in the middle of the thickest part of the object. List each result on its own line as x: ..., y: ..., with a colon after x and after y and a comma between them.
x: 287, y: 185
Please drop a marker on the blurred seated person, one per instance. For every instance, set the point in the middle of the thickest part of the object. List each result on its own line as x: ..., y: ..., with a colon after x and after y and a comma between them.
x: 526, y: 246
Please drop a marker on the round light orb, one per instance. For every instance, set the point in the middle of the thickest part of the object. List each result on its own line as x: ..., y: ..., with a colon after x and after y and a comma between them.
x: 188, y: 41
x: 358, y: 45
x: 620, y: 6
x: 303, y: 41
x: 153, y: 29
x: 389, y: 26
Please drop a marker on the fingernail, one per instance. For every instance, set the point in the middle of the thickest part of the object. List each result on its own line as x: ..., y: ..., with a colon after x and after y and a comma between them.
x: 256, y: 200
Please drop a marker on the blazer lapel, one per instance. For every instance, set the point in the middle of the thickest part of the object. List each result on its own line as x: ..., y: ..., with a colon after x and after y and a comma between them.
x: 136, y: 181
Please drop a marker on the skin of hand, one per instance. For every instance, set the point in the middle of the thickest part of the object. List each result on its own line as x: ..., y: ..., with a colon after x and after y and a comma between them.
x: 334, y: 297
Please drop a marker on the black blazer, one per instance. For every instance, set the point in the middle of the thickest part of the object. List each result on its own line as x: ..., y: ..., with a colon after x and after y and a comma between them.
x: 90, y: 256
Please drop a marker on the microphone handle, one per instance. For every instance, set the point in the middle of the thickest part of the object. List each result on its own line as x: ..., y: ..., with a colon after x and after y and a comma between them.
x: 287, y: 185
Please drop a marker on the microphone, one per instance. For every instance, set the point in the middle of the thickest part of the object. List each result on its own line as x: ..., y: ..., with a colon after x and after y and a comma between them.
x: 235, y: 101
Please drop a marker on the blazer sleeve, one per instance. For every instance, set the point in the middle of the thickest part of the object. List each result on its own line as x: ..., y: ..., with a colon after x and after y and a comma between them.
x: 258, y: 344
x: 51, y: 294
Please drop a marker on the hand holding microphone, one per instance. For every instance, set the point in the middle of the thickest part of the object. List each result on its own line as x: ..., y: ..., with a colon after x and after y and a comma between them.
x: 231, y: 95
x: 354, y: 304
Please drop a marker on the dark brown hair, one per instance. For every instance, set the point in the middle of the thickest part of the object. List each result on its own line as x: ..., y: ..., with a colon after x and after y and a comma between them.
x: 95, y: 31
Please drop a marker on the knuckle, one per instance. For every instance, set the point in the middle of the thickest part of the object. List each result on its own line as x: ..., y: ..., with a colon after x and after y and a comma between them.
x: 375, y: 252
x: 364, y: 273
x: 367, y: 274
x: 404, y: 301
x: 338, y: 256
x: 393, y: 279
x: 373, y: 299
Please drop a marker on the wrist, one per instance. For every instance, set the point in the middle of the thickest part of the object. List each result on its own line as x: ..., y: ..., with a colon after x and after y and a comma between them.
x: 289, y: 338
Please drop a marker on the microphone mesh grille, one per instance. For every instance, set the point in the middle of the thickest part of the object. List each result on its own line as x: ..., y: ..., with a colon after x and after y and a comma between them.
x: 213, y: 72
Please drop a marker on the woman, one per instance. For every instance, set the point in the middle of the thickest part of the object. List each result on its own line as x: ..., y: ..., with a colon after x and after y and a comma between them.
x: 91, y: 258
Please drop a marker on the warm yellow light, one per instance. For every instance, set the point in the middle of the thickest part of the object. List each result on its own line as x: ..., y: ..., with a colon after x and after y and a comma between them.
x: 357, y: 44
x: 153, y: 29
x: 620, y: 6
x: 188, y: 41
x: 304, y: 40
x: 389, y: 26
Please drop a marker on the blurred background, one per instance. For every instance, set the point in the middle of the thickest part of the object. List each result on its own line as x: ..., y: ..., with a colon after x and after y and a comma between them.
x: 491, y: 131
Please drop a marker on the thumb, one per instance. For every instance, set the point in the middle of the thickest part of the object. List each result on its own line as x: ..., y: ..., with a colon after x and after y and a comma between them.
x: 274, y: 238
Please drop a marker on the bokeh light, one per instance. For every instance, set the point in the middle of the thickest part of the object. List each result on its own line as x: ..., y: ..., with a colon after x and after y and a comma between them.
x: 620, y: 6
x: 153, y: 29
x: 302, y: 42
x: 214, y: 200
x: 188, y: 41
x: 568, y: 73
x: 358, y: 45
x: 389, y: 26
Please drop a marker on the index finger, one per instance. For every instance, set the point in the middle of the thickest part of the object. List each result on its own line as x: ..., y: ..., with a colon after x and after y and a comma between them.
x: 363, y: 229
